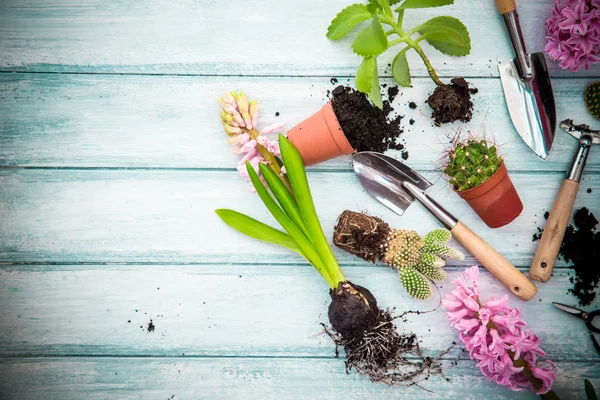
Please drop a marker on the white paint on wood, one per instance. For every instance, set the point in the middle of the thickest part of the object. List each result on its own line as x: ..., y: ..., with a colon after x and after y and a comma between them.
x: 234, y: 38
x: 248, y: 378
x: 168, y: 216
x: 237, y: 310
x: 173, y: 122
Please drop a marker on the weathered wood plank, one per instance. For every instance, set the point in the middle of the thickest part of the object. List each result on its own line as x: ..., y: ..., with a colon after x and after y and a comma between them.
x: 249, y: 38
x: 168, y: 216
x: 242, y: 378
x: 172, y: 122
x: 239, y: 310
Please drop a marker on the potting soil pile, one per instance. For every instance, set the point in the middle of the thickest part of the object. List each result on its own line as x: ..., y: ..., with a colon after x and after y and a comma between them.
x: 452, y: 102
x: 366, y: 127
x: 581, y: 248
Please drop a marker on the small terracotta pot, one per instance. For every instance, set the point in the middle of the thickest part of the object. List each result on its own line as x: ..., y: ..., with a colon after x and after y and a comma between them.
x: 496, y: 200
x: 320, y: 137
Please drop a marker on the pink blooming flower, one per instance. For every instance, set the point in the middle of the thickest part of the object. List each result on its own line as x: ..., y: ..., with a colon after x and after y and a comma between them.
x: 239, y: 117
x: 495, y: 336
x: 573, y: 37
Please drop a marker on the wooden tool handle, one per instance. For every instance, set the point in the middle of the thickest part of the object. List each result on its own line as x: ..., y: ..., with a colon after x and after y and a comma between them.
x: 505, y: 6
x: 547, y: 250
x: 497, y: 265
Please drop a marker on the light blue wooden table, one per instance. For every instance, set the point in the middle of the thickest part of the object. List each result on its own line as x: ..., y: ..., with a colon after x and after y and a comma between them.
x: 112, y: 160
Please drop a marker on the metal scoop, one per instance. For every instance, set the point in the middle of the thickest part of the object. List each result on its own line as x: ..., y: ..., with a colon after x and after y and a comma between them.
x: 527, y: 87
x: 549, y: 246
x: 396, y: 186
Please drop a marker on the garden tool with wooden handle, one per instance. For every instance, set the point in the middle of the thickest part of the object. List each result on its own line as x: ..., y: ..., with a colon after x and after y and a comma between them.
x: 527, y: 87
x: 396, y: 186
x: 554, y: 231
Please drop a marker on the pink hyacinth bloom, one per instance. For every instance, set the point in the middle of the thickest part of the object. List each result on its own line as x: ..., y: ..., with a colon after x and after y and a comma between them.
x: 573, y: 38
x: 495, y: 336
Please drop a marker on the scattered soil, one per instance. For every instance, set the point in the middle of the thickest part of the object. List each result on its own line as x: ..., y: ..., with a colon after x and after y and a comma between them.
x: 372, y: 343
x: 333, y: 81
x: 366, y: 127
x: 277, y: 113
x: 392, y: 93
x: 452, y: 102
x: 412, y: 105
x: 361, y: 235
x: 581, y: 248
x: 151, y: 326
x: 412, y: 121
x: 589, y: 190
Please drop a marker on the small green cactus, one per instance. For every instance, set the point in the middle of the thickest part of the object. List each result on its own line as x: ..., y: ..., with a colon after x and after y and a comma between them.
x: 470, y: 163
x: 592, y: 99
x: 433, y: 255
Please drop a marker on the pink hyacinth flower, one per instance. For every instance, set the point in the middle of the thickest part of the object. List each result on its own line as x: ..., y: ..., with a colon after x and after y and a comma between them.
x: 573, y: 38
x: 495, y: 336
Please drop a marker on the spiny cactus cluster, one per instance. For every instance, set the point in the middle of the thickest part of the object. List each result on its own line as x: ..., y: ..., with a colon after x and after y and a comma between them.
x: 418, y: 260
x: 592, y: 99
x: 470, y: 163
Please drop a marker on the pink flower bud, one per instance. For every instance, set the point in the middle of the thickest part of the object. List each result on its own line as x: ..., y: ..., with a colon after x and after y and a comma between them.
x: 274, y: 128
x: 254, y: 113
x: 247, y: 120
x: 231, y: 130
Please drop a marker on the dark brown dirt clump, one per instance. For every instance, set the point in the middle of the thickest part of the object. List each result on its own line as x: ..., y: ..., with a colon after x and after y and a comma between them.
x: 581, y: 248
x: 361, y: 235
x: 366, y: 127
x: 452, y: 102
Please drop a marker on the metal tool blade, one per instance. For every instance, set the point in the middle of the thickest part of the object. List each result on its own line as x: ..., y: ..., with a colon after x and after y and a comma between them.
x: 571, y: 310
x: 577, y: 130
x: 531, y: 103
x: 382, y: 177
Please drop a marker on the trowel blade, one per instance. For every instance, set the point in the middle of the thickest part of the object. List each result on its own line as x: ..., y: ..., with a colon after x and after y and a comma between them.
x: 382, y: 177
x: 531, y: 103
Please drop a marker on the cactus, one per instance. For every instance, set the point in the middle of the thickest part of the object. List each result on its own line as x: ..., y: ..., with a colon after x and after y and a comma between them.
x: 417, y: 259
x: 592, y: 99
x: 470, y: 163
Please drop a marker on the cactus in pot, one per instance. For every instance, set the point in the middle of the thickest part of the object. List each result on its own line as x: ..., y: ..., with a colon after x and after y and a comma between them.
x: 478, y: 174
x: 471, y: 163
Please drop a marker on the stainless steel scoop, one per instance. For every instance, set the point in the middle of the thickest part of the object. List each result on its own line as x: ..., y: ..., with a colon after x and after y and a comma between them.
x: 396, y: 186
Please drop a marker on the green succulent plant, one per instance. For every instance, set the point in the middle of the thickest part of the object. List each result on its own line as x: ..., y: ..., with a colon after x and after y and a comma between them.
x: 470, y: 163
x: 432, y: 253
x: 592, y: 99
x: 415, y: 258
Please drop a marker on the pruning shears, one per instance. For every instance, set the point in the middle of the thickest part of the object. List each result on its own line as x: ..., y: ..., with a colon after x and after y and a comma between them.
x: 587, y: 317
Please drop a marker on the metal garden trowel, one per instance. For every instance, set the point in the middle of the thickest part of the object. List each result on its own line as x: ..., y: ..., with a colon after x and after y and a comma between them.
x: 549, y: 246
x: 527, y: 87
x: 397, y: 186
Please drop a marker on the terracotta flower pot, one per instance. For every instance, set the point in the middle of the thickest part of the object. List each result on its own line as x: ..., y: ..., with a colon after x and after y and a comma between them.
x: 320, y: 137
x: 495, y: 201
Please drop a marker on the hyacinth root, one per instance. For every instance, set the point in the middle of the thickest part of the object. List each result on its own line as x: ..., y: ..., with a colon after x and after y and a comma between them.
x: 372, y: 343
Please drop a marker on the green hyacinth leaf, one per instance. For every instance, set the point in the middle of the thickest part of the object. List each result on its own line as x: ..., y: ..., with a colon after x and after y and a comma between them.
x: 415, y: 283
x: 443, y: 251
x: 433, y: 273
x: 440, y: 235
x: 346, y: 20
